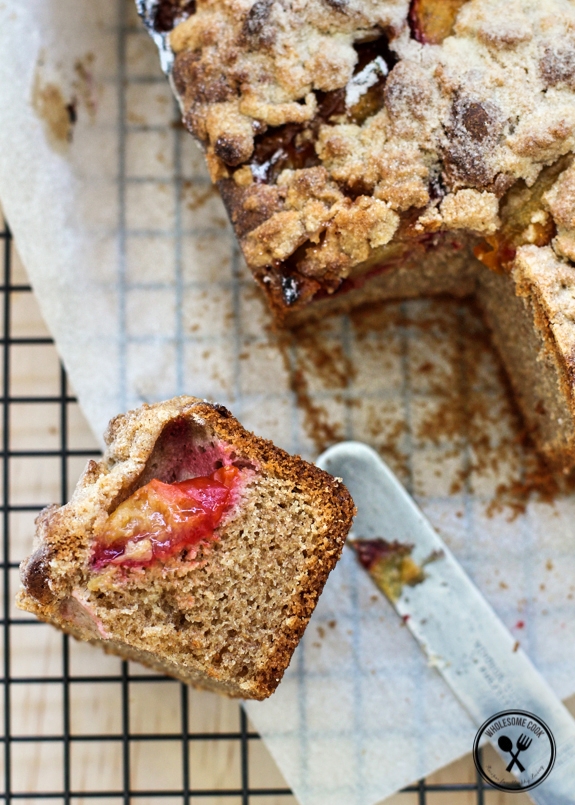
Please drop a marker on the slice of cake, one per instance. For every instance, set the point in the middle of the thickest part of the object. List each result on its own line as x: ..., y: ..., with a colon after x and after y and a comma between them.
x: 389, y: 149
x: 193, y: 546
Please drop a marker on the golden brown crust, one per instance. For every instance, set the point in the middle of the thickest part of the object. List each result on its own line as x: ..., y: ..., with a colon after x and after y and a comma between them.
x: 60, y: 586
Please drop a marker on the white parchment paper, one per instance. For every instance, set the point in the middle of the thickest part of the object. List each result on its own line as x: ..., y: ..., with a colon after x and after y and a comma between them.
x: 141, y: 283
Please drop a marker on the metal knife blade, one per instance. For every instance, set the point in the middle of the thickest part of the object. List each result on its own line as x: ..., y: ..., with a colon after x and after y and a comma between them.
x: 457, y: 629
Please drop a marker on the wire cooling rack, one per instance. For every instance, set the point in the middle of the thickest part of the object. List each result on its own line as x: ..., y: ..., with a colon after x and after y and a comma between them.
x: 81, y: 726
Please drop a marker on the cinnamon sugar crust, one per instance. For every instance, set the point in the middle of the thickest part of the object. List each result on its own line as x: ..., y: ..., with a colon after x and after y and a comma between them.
x: 226, y: 615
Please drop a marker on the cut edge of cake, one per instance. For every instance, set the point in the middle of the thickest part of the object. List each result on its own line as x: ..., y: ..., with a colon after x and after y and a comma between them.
x: 226, y: 615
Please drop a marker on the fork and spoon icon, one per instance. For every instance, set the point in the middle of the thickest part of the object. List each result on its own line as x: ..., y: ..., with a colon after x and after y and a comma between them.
x: 506, y: 745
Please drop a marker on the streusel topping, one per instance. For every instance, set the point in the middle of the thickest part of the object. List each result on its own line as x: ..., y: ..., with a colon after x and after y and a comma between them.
x: 337, y: 125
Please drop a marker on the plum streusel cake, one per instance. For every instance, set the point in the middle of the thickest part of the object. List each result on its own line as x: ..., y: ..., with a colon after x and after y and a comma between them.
x: 373, y: 149
x: 193, y: 546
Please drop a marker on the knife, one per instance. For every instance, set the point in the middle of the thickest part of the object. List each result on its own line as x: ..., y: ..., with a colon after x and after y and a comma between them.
x: 491, y: 676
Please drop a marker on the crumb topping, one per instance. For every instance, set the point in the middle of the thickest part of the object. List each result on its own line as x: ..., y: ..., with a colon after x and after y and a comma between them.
x: 470, y: 209
x: 560, y: 201
x: 350, y: 123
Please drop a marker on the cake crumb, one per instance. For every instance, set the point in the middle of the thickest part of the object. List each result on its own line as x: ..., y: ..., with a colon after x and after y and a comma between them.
x: 470, y: 209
